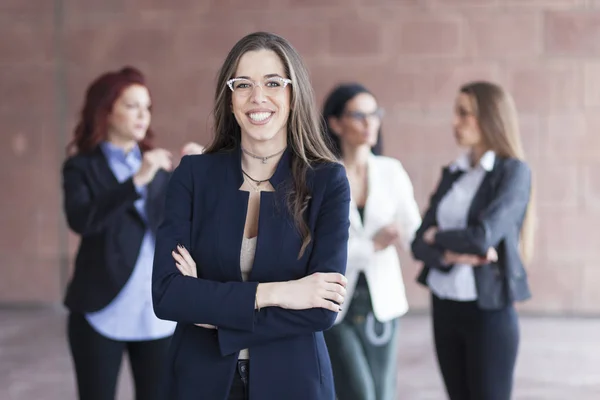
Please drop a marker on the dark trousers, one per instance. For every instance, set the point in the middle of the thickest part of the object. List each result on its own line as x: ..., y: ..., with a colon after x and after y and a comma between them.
x: 239, y: 387
x: 363, y: 351
x: 97, y: 360
x: 476, y: 349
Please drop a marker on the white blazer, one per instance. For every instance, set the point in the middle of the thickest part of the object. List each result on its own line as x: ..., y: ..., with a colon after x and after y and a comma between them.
x: 390, y: 199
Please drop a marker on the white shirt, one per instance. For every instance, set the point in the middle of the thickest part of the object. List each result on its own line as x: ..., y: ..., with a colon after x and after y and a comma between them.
x: 452, y: 213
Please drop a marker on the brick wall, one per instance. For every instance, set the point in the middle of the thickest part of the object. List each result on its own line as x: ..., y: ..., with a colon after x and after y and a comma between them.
x: 412, y: 53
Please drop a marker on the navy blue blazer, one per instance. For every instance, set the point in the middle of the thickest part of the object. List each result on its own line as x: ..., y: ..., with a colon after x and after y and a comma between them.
x: 206, y: 212
x: 495, y: 219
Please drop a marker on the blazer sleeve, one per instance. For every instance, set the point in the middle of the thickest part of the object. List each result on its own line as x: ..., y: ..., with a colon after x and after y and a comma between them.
x: 407, y: 213
x: 432, y: 256
x: 183, y: 298
x: 329, y: 254
x: 498, y: 219
x: 89, y: 214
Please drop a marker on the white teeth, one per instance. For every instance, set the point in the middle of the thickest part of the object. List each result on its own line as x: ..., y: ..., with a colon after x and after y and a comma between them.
x: 259, y: 116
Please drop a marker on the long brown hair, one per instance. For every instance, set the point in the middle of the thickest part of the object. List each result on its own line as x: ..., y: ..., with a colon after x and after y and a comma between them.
x: 304, y: 130
x: 100, y: 97
x: 498, y: 121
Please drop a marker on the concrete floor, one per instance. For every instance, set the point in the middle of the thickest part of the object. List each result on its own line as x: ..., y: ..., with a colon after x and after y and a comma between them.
x: 559, y: 359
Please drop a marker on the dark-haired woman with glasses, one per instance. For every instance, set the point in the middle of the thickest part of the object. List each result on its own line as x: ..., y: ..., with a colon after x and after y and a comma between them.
x: 383, y: 214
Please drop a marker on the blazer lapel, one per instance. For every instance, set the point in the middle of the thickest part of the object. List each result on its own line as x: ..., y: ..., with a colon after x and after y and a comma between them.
x: 107, y: 179
x: 104, y: 175
x: 484, y: 192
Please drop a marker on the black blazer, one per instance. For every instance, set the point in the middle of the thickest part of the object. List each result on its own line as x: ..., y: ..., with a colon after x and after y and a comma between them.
x: 206, y: 212
x: 495, y: 219
x: 101, y: 210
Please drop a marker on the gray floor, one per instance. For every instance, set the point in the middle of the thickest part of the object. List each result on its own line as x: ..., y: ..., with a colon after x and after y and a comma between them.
x: 559, y: 359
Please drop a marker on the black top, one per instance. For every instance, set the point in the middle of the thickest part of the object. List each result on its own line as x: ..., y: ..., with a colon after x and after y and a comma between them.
x: 361, y: 212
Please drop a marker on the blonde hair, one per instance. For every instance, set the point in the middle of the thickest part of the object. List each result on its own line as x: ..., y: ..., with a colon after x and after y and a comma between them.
x: 497, y: 116
x: 304, y: 128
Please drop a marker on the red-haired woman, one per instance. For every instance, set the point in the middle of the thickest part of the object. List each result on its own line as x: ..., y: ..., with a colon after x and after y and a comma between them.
x: 114, y: 184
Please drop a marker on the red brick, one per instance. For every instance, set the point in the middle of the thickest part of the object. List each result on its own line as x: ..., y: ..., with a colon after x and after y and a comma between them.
x: 589, y: 293
x: 294, y: 4
x: 546, y: 88
x: 592, y: 84
x: 591, y: 178
x: 378, y: 78
x: 574, y: 33
x: 235, y: 5
x: 22, y: 41
x: 555, y: 287
x: 412, y: 135
x: 33, y: 279
x: 383, y: 3
x: 529, y: 126
x: 464, y: 3
x: 92, y: 8
x: 428, y: 36
x: 307, y: 36
x: 566, y: 236
x: 543, y: 4
x: 31, y: 90
x: 502, y: 35
x: 27, y: 7
x: 438, y: 82
x: 558, y: 185
x: 355, y: 38
x: 202, y: 44
x: 571, y: 138
x: 96, y: 45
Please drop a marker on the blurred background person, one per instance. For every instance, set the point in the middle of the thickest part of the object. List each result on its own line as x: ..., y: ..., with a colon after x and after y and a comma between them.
x: 114, y: 183
x: 383, y: 212
x: 476, y: 235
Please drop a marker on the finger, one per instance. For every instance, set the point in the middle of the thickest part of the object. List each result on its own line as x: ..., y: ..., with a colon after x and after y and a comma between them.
x: 186, y: 255
x: 335, y: 277
x: 182, y: 269
x: 333, y: 296
x: 206, y: 326
x: 182, y: 265
x: 328, y: 305
x: 179, y: 258
x: 337, y: 288
x: 164, y: 152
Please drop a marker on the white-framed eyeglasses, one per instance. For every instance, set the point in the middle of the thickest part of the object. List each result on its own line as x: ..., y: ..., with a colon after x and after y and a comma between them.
x: 270, y: 86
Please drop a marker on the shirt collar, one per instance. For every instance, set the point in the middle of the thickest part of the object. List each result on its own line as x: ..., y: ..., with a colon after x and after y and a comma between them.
x: 463, y: 163
x: 112, y: 151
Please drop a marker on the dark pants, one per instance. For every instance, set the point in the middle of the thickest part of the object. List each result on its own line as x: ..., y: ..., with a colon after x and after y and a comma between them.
x: 363, y: 351
x: 239, y: 387
x: 97, y: 360
x: 476, y: 349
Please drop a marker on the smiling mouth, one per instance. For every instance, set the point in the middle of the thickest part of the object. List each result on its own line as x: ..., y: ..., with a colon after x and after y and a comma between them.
x: 260, y: 117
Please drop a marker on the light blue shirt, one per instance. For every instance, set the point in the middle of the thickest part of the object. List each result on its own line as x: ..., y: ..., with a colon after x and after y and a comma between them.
x: 130, y: 316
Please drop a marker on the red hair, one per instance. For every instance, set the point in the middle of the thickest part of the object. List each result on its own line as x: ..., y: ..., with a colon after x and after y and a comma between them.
x: 100, y: 97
